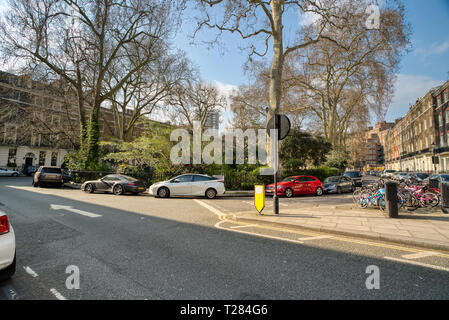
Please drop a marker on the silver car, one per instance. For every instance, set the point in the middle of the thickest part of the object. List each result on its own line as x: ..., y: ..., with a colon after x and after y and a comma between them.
x: 189, y: 185
x: 9, y: 173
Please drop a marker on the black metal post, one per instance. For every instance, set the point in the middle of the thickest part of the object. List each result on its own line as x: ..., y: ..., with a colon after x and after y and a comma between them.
x: 444, y: 189
x: 391, y: 198
x: 276, y: 164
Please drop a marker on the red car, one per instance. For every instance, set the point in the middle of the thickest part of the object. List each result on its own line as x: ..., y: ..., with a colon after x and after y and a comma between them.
x: 297, y: 185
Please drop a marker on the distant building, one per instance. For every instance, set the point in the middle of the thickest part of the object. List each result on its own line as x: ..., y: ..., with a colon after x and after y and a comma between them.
x: 213, y: 120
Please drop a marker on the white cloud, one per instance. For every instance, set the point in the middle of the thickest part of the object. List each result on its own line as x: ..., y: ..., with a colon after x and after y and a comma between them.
x: 434, y: 49
x: 408, y: 88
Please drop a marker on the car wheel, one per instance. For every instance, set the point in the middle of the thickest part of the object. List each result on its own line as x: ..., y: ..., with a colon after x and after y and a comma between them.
x: 163, y: 193
x: 319, y: 191
x: 118, y: 190
x: 89, y: 188
x: 15, y: 175
x: 211, y: 193
x: 288, y: 193
x: 8, y: 272
x: 352, y: 189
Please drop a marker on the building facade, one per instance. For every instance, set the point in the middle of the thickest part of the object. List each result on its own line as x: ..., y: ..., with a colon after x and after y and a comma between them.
x: 39, y: 123
x: 421, y: 134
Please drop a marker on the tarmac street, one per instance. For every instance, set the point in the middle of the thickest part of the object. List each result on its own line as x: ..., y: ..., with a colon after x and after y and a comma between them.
x: 141, y: 247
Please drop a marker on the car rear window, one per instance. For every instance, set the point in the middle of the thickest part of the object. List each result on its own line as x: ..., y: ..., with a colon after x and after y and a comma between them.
x: 51, y: 170
x: 353, y: 174
x: 203, y: 178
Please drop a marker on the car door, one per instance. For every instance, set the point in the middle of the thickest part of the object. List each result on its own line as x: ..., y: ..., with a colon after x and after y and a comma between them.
x: 347, y: 184
x: 301, y: 185
x: 106, y: 183
x: 181, y: 185
x: 200, y: 184
x: 2, y: 172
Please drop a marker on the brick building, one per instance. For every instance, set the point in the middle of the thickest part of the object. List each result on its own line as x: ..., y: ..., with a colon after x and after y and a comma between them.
x: 39, y: 122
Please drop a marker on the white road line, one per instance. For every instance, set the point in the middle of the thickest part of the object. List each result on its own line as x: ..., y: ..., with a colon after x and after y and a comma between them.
x: 315, y: 238
x: 420, y: 255
x: 31, y: 272
x: 245, y: 226
x: 71, y: 209
x: 57, y: 294
x: 416, y: 263
x: 210, y: 208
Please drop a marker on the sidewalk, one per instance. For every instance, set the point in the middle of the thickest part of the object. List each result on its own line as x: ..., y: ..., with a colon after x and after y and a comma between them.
x: 422, y: 228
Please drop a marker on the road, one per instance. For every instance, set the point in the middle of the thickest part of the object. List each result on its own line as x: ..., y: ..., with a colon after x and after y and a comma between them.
x: 140, y: 247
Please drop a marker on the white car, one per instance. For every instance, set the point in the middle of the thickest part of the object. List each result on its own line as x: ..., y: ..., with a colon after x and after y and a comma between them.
x: 8, y: 173
x: 7, y: 248
x: 189, y: 185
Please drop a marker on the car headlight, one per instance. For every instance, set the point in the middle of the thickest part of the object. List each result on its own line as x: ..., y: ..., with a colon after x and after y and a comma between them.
x: 332, y: 186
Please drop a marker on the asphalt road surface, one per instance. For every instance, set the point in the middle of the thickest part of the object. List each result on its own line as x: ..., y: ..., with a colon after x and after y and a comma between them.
x: 140, y: 247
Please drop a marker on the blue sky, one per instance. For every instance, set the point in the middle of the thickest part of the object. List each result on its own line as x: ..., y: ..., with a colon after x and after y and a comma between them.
x: 426, y: 66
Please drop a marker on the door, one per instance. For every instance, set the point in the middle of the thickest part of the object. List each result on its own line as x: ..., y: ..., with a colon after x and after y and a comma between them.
x: 199, y: 185
x: 28, y: 162
x: 301, y: 185
x: 106, y: 183
x: 181, y: 185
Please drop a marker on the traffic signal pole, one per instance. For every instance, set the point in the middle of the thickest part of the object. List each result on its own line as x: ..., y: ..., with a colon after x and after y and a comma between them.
x: 276, y: 165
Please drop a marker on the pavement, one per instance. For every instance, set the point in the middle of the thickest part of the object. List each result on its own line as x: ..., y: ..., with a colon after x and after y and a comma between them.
x: 424, y: 228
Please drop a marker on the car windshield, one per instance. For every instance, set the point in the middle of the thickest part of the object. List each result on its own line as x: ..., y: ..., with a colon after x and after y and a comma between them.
x: 352, y: 174
x: 421, y: 175
x: 445, y: 177
x: 332, y: 180
x: 289, y: 179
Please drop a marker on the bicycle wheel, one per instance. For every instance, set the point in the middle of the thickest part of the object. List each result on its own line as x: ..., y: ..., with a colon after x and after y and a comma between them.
x: 430, y: 199
x: 381, y: 203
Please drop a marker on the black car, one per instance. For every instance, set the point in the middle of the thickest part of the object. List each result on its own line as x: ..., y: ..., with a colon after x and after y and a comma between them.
x: 31, y: 170
x: 118, y: 184
x: 356, y: 176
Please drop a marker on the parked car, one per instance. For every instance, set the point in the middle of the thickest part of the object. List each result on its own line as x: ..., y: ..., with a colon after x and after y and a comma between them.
x: 338, y: 184
x: 356, y: 176
x: 118, y: 184
x: 31, y: 170
x: 438, y: 177
x: 9, y: 173
x: 189, y: 185
x: 387, y: 173
x: 7, y: 248
x: 48, y: 176
x: 297, y: 185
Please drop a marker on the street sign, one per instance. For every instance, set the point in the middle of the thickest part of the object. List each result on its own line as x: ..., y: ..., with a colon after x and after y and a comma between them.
x: 259, y: 198
x: 282, y: 124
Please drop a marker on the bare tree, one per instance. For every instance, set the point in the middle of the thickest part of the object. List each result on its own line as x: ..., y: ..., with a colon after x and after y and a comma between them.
x: 79, y: 41
x: 147, y: 90
x: 343, y: 84
x: 195, y: 102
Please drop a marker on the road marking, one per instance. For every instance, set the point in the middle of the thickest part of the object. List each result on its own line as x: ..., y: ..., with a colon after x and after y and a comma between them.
x: 315, y: 238
x: 245, y: 226
x: 223, y: 218
x: 81, y: 212
x: 215, y: 211
x: 420, y: 255
x: 57, y: 294
x: 416, y: 263
x: 31, y: 272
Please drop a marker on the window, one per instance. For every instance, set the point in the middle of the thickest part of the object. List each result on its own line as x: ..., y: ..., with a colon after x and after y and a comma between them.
x: 42, y: 156
x: 185, y: 178
x: 425, y: 124
x: 202, y: 178
x: 447, y: 116
x: 440, y: 119
x: 54, y: 159
x: 12, y: 156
